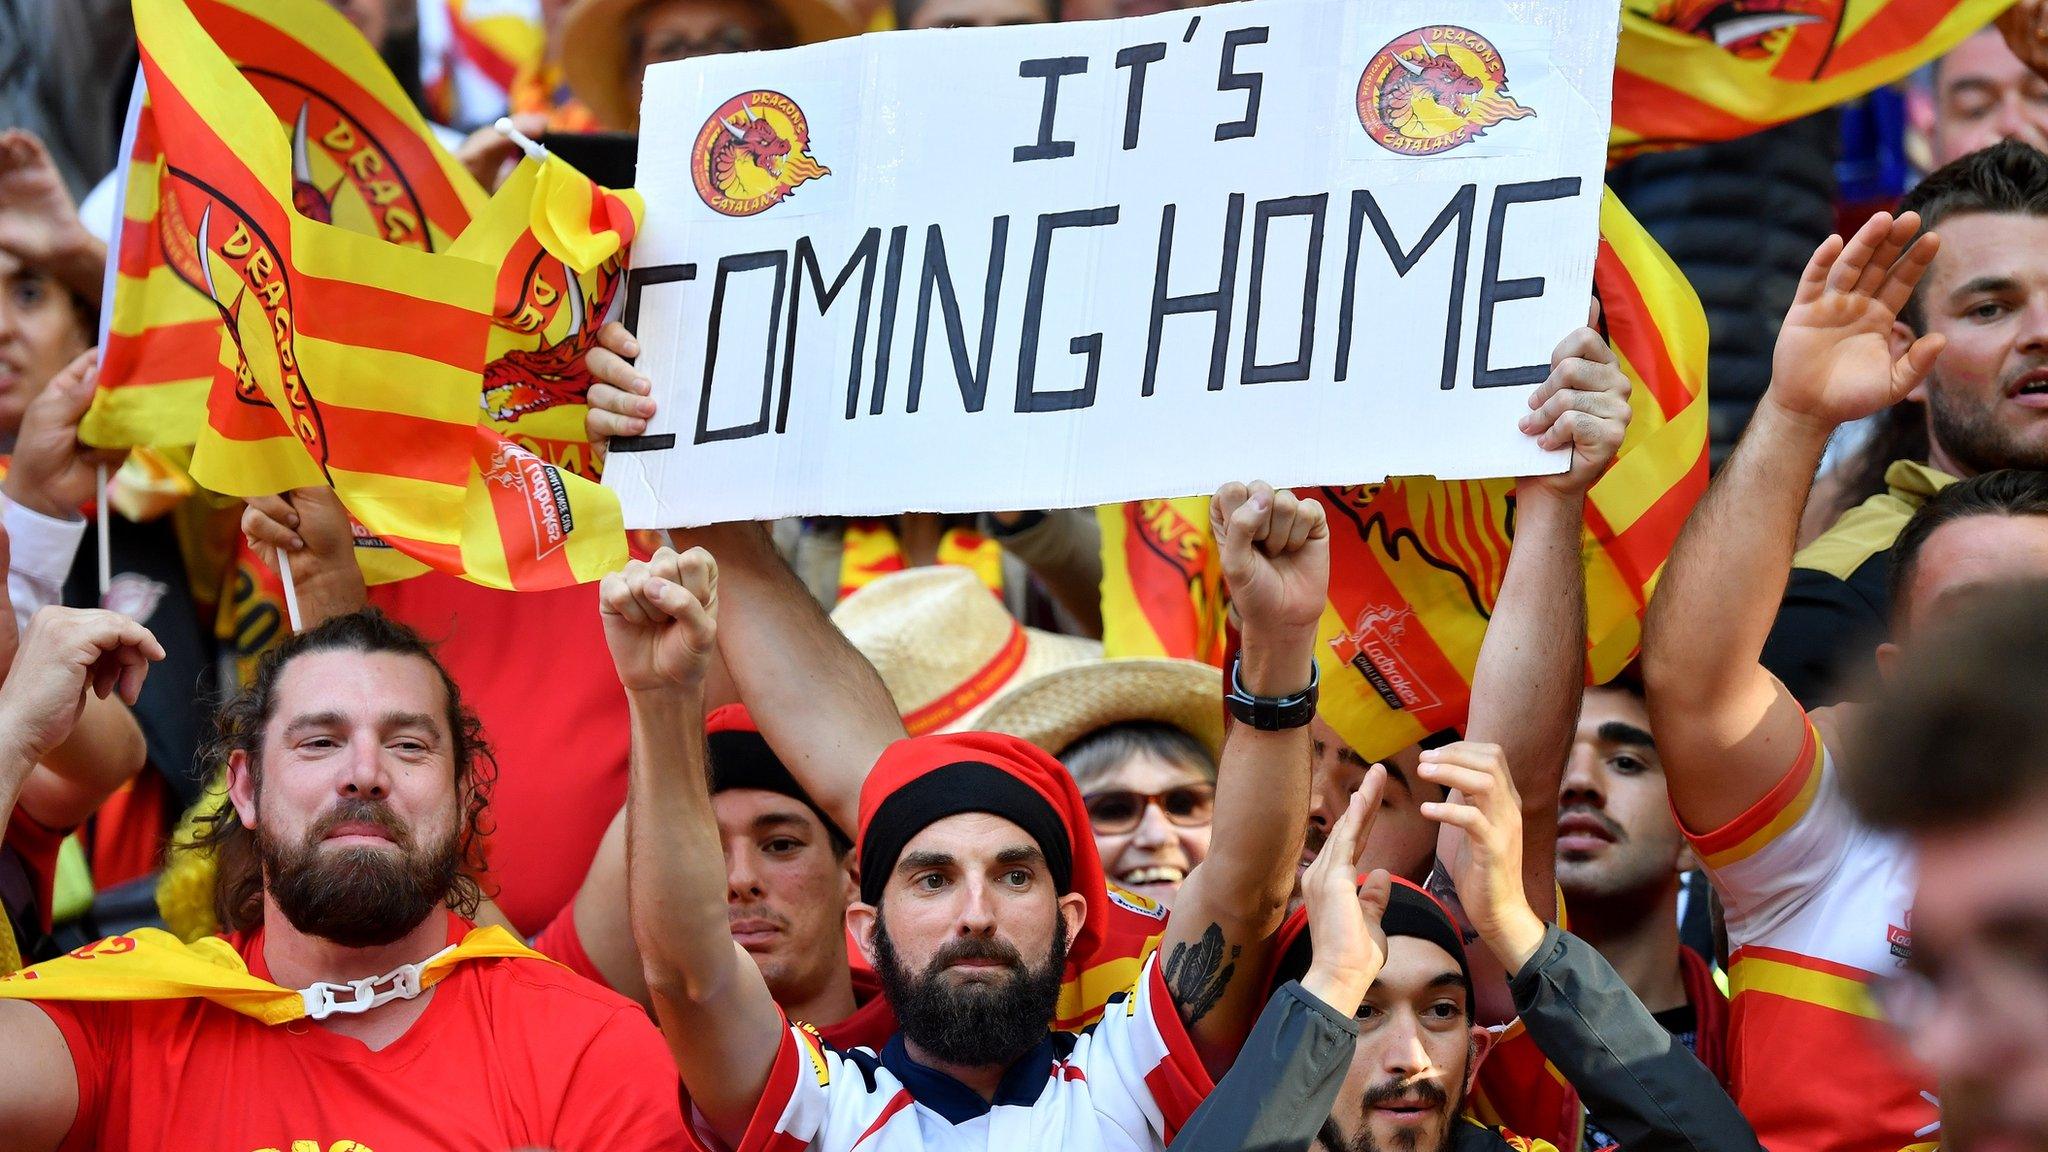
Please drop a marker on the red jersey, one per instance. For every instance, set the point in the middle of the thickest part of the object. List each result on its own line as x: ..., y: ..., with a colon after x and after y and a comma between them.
x: 534, y: 667
x: 509, y: 1053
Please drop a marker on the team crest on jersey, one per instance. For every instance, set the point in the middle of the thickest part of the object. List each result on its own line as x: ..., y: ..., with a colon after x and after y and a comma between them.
x: 1132, y: 902
x: 813, y: 1043
x: 752, y: 153
x: 1434, y: 88
x: 1751, y: 29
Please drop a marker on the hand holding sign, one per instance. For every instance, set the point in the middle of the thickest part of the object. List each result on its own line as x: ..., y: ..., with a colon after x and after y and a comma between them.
x: 1583, y: 405
x: 620, y: 404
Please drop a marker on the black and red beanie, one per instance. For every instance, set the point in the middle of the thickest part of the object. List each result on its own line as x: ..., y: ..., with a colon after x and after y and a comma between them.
x: 1411, y: 911
x: 741, y: 758
x: 920, y: 781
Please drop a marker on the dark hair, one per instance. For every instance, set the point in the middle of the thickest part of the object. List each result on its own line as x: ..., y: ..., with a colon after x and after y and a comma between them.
x: 2008, y: 178
x: 906, y: 11
x: 1108, y: 747
x: 238, y: 727
x: 2007, y: 492
x: 1959, y: 736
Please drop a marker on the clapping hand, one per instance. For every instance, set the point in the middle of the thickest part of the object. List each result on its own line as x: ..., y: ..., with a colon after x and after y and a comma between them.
x: 1344, y: 909
x: 1485, y: 859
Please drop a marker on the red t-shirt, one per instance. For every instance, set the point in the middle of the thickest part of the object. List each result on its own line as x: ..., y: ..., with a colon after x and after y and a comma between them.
x: 534, y: 667
x: 510, y: 1053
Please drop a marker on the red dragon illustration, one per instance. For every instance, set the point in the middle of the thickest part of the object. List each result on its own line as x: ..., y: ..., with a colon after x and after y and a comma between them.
x: 524, y: 381
x: 1438, y: 77
x: 758, y: 141
x: 311, y: 202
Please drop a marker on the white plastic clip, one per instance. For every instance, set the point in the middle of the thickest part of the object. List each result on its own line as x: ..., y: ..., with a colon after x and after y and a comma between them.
x: 324, y: 999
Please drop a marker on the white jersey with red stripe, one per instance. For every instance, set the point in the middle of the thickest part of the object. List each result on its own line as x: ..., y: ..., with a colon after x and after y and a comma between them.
x: 1127, y: 1082
x: 1817, y: 904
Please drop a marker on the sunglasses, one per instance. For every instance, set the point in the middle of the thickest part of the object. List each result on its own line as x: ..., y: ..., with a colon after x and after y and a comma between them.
x: 1188, y: 806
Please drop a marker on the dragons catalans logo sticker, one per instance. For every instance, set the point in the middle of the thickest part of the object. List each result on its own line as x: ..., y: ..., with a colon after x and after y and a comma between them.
x: 753, y: 153
x: 1435, y: 88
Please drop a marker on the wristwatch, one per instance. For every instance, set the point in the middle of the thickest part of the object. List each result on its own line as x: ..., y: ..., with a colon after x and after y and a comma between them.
x: 1272, y: 713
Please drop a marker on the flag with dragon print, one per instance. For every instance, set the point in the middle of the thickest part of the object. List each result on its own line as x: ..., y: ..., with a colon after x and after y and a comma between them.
x: 388, y: 414
x: 1691, y: 71
x: 1416, y: 563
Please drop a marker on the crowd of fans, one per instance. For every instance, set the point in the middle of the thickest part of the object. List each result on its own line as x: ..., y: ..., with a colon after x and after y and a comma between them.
x: 748, y: 847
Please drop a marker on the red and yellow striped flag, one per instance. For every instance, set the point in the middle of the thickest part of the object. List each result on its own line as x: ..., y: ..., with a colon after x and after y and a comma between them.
x: 362, y: 158
x: 1691, y: 71
x: 1162, y: 582
x: 372, y: 355
x: 1416, y: 563
x: 1415, y: 578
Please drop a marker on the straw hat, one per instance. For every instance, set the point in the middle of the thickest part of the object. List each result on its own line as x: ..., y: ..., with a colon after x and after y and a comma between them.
x: 595, y: 47
x: 1058, y: 708
x: 946, y: 647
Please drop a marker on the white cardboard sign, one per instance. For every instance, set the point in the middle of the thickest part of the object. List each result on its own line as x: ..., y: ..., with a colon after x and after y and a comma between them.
x: 1306, y: 241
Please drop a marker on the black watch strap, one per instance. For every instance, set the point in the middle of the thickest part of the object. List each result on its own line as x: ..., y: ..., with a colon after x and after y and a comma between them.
x: 1272, y: 713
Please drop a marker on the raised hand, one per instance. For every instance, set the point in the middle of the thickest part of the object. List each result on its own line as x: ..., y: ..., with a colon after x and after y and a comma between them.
x: 1834, y: 360
x: 1583, y: 406
x: 66, y: 653
x: 1276, y: 556
x: 38, y: 222
x: 1344, y: 909
x: 1485, y: 859
x: 661, y: 620
x: 620, y: 398
x: 52, y: 471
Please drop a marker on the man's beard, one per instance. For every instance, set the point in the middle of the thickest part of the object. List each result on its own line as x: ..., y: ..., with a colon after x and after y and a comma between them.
x: 1975, y: 437
x: 1331, y: 1138
x: 973, y: 1024
x: 358, y: 897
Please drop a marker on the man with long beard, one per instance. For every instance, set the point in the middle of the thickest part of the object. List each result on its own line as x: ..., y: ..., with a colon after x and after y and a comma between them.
x: 978, y: 875
x: 351, y: 1006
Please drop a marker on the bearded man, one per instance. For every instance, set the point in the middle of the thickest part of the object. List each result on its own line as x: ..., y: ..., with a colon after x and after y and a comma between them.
x: 978, y: 877
x: 351, y: 1005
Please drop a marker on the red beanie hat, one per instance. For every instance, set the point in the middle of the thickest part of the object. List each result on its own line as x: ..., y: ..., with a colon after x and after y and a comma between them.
x: 741, y: 758
x: 922, y: 780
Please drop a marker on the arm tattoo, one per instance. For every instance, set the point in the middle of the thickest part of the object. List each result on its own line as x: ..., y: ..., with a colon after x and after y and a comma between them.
x: 1197, y: 974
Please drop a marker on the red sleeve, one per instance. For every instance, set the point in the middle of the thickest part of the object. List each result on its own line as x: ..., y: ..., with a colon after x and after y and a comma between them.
x: 560, y: 942
x: 1180, y: 1082
x: 624, y: 1095
x: 87, y: 1033
x: 38, y: 845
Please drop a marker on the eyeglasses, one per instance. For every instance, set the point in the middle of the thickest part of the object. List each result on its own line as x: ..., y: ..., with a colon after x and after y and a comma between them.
x: 1121, y: 810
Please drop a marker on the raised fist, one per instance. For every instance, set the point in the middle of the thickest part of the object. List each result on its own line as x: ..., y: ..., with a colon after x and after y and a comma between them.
x: 661, y: 619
